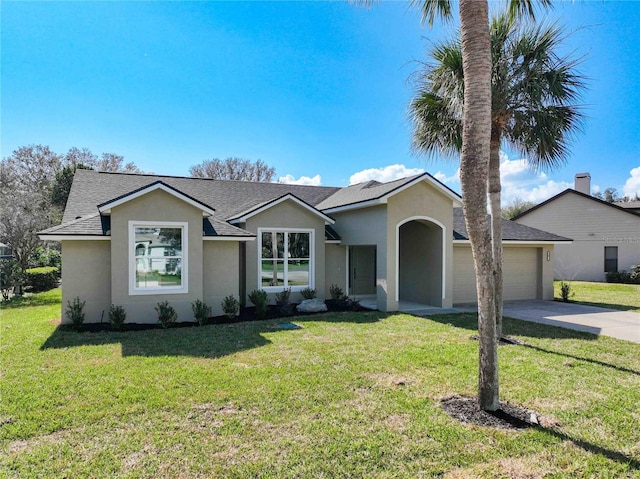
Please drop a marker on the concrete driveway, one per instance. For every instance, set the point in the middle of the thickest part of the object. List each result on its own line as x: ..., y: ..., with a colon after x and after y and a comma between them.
x: 608, y: 322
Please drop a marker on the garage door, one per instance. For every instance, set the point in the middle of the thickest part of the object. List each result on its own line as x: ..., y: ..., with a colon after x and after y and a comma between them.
x: 520, y: 269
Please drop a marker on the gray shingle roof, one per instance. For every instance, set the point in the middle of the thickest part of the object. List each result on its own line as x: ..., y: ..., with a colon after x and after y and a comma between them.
x: 370, y: 190
x: 511, y: 231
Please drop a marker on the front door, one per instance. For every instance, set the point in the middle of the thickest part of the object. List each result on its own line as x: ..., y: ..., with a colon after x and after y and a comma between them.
x: 362, y: 270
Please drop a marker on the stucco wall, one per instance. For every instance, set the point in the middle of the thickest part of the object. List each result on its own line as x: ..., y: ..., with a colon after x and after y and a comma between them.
x: 161, y: 207
x: 367, y: 226
x: 221, y: 273
x: 87, y: 274
x: 422, y: 201
x: 592, y: 226
x: 287, y: 214
x: 335, y: 267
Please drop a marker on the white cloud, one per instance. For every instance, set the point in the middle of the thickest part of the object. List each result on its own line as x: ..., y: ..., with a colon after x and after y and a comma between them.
x: 303, y: 180
x: 519, y: 180
x: 383, y: 175
x: 443, y: 178
x: 632, y: 186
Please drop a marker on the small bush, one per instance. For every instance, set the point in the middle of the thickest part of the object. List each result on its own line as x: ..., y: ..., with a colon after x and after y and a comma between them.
x: 308, y: 293
x: 42, y: 279
x: 565, y: 291
x: 200, y: 311
x: 336, y: 292
x: 166, y: 314
x: 260, y: 300
x: 10, y: 277
x: 230, y: 306
x: 283, y: 301
x: 75, y: 312
x: 117, y: 316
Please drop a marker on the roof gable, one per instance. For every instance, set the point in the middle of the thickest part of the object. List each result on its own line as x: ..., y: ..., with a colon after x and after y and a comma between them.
x: 105, y: 208
x: 577, y: 193
x: 243, y: 216
x: 374, y: 193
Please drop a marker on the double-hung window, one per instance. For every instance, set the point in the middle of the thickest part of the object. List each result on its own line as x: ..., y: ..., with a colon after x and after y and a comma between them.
x: 285, y: 258
x: 610, y: 259
x: 157, y: 257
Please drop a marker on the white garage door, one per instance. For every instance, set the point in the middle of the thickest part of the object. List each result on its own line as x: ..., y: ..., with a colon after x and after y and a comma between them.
x: 520, y: 269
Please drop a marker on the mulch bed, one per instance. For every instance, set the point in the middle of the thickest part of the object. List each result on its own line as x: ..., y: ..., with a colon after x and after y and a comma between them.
x: 508, y: 416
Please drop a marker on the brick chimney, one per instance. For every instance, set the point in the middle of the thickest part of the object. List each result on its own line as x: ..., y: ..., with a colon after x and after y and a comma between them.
x: 583, y: 183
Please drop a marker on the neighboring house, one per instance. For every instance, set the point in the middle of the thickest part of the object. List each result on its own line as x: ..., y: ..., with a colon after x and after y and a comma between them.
x: 606, y: 237
x: 630, y: 205
x: 135, y: 240
x: 5, y: 251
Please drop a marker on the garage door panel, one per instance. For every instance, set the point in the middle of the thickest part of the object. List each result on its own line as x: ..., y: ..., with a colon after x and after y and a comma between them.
x: 520, y: 271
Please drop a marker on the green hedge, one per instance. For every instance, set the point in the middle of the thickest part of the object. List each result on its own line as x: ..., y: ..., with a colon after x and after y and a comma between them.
x: 42, y: 279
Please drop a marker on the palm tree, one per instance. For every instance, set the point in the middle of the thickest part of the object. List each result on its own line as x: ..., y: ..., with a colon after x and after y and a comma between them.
x: 475, y: 139
x: 534, y: 94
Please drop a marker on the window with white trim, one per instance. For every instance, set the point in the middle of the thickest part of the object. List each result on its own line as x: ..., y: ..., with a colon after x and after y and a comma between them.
x: 285, y: 259
x: 158, y: 257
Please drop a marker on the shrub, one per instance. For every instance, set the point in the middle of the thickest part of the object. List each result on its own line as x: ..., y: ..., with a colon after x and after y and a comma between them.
x: 46, y: 257
x: 308, y: 293
x: 282, y: 300
x: 230, y: 306
x: 75, y: 312
x: 260, y: 300
x: 166, y: 314
x: 117, y: 316
x: 200, y: 311
x: 336, y: 292
x: 565, y: 291
x: 42, y: 279
x: 10, y: 275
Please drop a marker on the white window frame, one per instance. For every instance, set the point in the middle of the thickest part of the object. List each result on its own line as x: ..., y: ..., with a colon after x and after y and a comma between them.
x: 312, y: 259
x: 184, y: 287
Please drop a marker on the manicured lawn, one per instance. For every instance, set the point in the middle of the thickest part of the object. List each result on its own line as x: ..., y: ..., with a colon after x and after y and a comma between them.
x: 625, y: 297
x: 348, y: 395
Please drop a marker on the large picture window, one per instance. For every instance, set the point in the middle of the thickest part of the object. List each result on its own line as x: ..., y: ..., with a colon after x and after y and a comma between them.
x: 157, y: 258
x: 285, y: 259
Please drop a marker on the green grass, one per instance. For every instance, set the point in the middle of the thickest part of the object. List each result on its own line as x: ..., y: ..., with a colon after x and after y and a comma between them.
x: 625, y: 297
x: 348, y: 395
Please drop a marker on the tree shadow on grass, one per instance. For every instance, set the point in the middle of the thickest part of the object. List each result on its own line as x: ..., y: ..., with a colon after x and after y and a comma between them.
x: 212, y: 341
x: 533, y: 330
x: 514, y: 327
x: 619, y: 307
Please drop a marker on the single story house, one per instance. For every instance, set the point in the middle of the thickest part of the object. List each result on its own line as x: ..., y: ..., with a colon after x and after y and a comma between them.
x: 606, y: 236
x: 135, y: 240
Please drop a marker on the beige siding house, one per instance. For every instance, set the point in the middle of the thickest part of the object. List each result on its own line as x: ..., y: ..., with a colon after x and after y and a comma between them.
x: 605, y: 236
x: 136, y: 240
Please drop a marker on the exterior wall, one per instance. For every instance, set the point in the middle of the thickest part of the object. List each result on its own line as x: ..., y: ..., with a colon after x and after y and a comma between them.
x: 335, y: 266
x: 155, y: 206
x: 527, y: 273
x: 87, y: 274
x: 420, y: 267
x: 221, y: 274
x: 425, y: 203
x: 592, y: 226
x: 287, y: 214
x: 367, y: 226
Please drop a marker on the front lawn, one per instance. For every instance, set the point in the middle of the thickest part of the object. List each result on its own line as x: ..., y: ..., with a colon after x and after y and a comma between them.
x: 348, y: 395
x: 625, y: 297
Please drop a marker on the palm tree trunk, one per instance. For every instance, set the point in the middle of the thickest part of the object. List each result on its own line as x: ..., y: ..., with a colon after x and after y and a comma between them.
x: 476, y: 134
x: 496, y: 223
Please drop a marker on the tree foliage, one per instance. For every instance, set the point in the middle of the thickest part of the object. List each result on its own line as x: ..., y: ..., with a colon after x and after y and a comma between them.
x: 516, y: 207
x: 233, y: 169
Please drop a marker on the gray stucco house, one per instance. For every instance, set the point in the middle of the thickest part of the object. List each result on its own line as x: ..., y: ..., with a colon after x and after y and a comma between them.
x: 135, y: 240
x: 606, y: 236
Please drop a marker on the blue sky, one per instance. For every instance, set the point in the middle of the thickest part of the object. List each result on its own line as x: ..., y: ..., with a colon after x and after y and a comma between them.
x: 318, y: 90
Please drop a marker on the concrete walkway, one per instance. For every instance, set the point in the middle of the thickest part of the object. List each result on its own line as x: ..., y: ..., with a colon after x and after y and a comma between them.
x: 607, y: 322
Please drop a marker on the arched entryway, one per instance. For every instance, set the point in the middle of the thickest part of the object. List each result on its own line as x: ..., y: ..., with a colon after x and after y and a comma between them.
x: 420, y: 261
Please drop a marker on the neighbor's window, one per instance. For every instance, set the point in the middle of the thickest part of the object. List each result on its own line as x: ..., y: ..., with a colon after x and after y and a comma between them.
x: 610, y: 259
x: 158, y: 262
x: 285, y: 258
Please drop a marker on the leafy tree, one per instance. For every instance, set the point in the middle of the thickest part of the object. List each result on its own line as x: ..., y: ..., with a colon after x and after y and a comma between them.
x: 516, y: 207
x: 108, y: 162
x: 233, y: 169
x: 537, y: 121
x: 610, y: 195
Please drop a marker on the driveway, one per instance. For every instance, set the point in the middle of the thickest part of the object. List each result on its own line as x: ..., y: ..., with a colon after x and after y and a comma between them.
x: 607, y: 322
